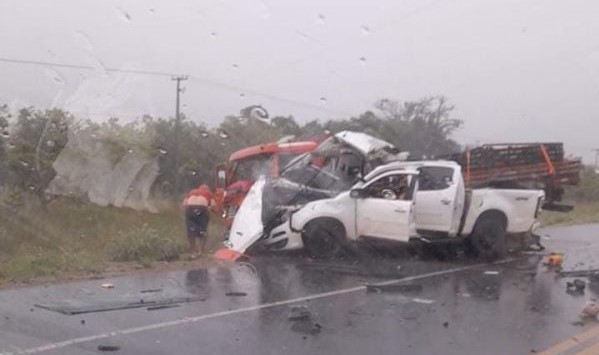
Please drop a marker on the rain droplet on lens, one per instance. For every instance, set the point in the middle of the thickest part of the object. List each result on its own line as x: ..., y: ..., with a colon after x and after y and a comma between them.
x: 235, y: 66
x: 162, y: 151
x: 31, y: 187
x: 24, y: 163
x: 242, y: 95
x: 130, y: 151
x: 204, y: 134
x: 124, y: 14
x: 223, y: 134
x: 151, y: 10
x: 363, y: 60
x: 50, y: 143
x: 365, y: 30
x: 213, y: 34
x: 321, y: 19
x: 323, y: 100
x: 193, y: 173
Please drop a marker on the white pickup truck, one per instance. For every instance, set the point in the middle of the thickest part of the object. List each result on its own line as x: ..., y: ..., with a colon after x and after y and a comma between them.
x: 395, y: 202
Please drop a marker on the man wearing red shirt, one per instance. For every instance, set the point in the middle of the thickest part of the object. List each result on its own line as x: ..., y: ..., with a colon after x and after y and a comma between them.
x: 197, y: 203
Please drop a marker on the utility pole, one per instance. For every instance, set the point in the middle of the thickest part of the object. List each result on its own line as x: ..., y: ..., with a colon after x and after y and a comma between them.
x: 178, y: 79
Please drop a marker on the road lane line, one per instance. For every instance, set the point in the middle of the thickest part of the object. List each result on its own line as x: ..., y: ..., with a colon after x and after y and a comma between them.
x: 573, y: 341
x: 133, y: 330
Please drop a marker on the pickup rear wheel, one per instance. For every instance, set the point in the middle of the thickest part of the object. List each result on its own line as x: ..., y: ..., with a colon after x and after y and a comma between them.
x: 488, y: 236
x: 324, y: 238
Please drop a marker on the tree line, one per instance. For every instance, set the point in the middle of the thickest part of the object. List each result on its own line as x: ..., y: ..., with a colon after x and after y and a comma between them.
x: 32, y: 140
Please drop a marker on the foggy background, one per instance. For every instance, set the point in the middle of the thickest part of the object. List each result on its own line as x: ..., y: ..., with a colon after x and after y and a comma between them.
x: 515, y: 70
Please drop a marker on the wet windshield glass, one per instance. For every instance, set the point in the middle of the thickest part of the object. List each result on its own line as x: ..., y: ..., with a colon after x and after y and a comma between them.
x: 299, y: 177
x: 252, y: 168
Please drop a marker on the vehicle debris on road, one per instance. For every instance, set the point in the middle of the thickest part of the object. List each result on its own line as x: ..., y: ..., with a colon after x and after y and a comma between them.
x: 235, y: 294
x: 164, y: 306
x: 299, y: 313
x: 577, y: 286
x: 109, y: 348
x: 394, y: 288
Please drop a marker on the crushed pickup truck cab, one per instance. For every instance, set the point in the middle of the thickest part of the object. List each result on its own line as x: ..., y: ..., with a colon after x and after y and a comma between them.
x: 328, y: 207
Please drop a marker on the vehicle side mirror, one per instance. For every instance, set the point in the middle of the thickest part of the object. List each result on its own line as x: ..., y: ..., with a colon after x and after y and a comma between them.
x: 357, y: 193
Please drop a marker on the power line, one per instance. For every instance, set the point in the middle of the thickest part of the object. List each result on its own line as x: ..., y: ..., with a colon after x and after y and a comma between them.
x: 237, y: 89
x: 83, y: 67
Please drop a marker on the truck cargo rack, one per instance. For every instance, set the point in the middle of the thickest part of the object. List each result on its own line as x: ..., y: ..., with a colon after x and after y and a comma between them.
x: 521, y: 165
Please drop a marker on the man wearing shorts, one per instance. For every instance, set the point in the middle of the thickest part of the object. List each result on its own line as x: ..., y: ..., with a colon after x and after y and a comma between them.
x: 196, y: 204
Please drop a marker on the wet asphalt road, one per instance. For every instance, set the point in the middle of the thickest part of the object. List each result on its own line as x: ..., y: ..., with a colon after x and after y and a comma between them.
x: 458, y: 307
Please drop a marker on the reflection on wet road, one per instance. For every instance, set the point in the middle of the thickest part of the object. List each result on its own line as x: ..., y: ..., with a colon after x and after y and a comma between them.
x: 276, y: 304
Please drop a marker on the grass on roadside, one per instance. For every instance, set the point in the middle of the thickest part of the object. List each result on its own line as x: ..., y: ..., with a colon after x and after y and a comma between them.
x: 586, y: 212
x: 71, y: 237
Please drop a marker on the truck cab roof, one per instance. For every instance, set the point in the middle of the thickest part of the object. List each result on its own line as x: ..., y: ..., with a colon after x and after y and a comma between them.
x: 409, y: 166
x: 294, y: 147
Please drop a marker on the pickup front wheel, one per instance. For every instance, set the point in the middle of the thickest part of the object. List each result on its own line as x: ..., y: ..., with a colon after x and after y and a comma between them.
x: 324, y: 238
x: 488, y: 236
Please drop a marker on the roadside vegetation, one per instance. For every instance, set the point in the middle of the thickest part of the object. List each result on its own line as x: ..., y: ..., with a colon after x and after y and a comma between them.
x: 584, y: 197
x: 71, y: 238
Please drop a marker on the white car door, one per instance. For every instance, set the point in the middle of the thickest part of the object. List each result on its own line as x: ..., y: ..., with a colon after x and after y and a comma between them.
x: 440, y: 198
x: 385, y: 210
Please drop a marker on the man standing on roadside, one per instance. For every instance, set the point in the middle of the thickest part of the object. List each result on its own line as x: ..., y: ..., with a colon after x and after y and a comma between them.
x: 197, y: 204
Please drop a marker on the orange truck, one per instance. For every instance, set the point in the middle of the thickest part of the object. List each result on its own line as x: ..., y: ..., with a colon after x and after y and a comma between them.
x: 234, y: 178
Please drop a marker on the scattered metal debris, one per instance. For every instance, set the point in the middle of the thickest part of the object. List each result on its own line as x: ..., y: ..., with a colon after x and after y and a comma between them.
x: 236, y: 294
x: 491, y: 272
x: 306, y: 327
x: 577, y: 286
x: 109, y: 348
x: 422, y: 300
x: 394, y: 288
x: 163, y: 306
x: 72, y: 309
x: 302, y: 321
x: 299, y: 313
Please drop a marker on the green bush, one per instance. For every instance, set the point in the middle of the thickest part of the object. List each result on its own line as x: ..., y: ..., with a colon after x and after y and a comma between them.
x: 144, y: 244
x: 8, y: 242
x: 38, y: 264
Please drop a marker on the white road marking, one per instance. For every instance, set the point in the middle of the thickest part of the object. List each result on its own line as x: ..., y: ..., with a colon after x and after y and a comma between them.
x: 87, y: 339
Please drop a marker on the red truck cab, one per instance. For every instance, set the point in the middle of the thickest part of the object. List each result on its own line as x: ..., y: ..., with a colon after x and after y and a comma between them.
x: 234, y: 178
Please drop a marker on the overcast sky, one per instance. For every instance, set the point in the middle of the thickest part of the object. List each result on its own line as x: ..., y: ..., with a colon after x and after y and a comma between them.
x: 515, y: 70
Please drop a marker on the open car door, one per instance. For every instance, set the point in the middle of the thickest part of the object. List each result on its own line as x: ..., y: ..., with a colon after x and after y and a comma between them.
x: 247, y: 226
x: 385, y: 206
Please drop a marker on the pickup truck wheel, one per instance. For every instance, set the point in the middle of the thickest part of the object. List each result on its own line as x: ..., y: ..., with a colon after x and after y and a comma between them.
x: 324, y: 238
x: 488, y: 237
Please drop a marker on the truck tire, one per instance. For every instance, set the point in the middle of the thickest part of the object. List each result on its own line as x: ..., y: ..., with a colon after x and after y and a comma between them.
x: 324, y: 238
x: 488, y: 236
